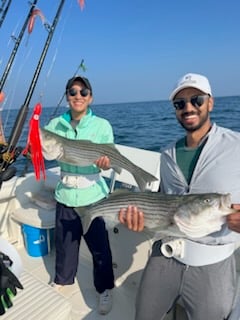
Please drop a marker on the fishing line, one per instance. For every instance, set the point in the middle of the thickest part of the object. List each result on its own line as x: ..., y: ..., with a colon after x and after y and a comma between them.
x: 10, y: 40
x: 10, y: 95
x: 63, y: 95
x: 11, y: 153
x: 81, y: 65
x: 59, y: 41
x: 16, y: 46
x: 14, y: 85
x: 11, y: 60
x: 41, y: 94
x: 52, y: 63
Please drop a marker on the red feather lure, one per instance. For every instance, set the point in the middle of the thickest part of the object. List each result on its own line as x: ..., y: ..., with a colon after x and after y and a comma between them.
x: 31, y: 22
x: 81, y: 3
x: 34, y: 143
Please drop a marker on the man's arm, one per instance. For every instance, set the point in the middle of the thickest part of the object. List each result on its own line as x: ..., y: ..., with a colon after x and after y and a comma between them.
x: 132, y: 218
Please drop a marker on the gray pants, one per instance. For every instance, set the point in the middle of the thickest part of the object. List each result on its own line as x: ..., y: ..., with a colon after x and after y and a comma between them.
x: 207, y: 292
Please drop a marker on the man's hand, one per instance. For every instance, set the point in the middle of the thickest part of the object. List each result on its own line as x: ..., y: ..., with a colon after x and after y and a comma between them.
x: 132, y: 218
x: 103, y: 163
x: 8, y: 286
x: 233, y: 219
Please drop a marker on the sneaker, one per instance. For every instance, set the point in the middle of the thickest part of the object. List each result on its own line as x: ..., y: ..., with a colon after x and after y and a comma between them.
x: 105, y: 302
x: 56, y: 286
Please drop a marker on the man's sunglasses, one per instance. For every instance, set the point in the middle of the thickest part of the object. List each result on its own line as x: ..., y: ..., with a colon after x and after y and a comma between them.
x: 196, y: 101
x: 83, y: 92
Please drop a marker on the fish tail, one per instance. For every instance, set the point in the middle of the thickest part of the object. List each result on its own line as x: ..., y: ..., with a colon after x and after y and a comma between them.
x: 86, y: 219
x: 117, y: 169
x: 86, y: 222
x: 143, y: 179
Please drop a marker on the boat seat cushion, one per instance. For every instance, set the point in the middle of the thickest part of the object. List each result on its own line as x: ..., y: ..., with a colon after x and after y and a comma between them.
x: 35, y: 216
x: 36, y: 301
x: 39, y: 211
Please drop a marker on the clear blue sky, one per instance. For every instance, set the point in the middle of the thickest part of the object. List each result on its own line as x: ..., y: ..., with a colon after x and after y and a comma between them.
x: 134, y: 50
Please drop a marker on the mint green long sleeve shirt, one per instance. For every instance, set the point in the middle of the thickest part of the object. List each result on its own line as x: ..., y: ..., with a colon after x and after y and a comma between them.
x: 95, y: 129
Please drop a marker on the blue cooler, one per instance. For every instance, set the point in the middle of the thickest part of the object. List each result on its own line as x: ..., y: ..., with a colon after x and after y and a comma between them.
x: 37, y: 241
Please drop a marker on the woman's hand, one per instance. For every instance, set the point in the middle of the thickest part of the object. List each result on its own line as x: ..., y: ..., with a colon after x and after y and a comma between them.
x: 103, y: 163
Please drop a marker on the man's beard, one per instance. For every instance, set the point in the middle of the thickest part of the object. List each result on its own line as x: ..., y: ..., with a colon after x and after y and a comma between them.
x: 190, y: 128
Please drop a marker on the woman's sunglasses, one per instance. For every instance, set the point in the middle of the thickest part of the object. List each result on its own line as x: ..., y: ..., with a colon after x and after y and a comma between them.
x: 196, y: 101
x: 83, y: 92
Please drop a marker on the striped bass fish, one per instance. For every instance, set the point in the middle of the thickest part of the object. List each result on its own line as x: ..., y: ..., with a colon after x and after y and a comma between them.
x: 85, y: 152
x: 191, y: 215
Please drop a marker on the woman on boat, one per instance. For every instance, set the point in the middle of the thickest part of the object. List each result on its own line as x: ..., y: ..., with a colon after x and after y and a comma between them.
x: 81, y: 186
x: 205, y: 160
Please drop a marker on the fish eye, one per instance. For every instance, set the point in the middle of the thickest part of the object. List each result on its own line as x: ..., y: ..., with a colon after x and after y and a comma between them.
x: 207, y: 200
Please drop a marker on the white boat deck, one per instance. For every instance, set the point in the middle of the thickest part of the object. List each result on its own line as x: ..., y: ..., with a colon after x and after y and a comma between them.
x: 81, y: 296
x: 39, y: 301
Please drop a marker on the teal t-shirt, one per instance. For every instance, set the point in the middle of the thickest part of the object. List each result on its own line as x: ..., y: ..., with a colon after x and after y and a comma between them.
x: 187, y: 158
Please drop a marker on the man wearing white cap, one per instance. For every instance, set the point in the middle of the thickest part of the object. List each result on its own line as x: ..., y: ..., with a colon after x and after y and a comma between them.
x: 205, y: 160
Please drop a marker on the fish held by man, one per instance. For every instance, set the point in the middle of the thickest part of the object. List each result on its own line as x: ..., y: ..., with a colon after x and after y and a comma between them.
x: 191, y: 215
x: 85, y: 152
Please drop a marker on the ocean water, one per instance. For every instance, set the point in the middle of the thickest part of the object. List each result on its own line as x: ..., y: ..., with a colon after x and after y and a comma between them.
x: 152, y: 125
x: 147, y: 125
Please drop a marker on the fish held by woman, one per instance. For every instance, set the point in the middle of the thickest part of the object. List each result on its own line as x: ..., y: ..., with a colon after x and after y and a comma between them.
x: 85, y: 152
x: 191, y: 215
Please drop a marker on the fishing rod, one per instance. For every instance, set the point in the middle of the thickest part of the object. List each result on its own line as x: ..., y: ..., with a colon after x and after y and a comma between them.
x: 11, y: 153
x: 3, y: 4
x: 10, y: 172
x: 17, y: 43
x: 9, y: 65
x: 4, y: 11
x: 2, y: 7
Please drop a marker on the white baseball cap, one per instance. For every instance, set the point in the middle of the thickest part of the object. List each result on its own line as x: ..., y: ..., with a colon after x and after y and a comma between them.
x: 192, y: 80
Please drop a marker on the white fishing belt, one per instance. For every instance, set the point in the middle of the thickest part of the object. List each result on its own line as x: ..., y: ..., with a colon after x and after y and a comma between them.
x: 81, y: 181
x: 196, y: 254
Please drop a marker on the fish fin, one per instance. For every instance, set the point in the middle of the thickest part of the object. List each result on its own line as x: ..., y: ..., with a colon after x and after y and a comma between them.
x: 110, y: 224
x: 87, y: 219
x: 143, y: 178
x: 171, y: 230
x: 117, y: 169
x: 120, y: 191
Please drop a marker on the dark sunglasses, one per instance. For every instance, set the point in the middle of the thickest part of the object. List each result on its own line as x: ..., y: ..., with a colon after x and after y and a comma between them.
x: 83, y: 92
x: 196, y: 101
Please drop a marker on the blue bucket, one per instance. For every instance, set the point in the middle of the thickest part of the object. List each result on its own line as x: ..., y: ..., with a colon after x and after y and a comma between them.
x: 37, y: 241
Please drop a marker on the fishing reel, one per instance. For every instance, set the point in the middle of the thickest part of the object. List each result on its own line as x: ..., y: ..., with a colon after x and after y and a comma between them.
x: 7, y: 157
x: 3, y: 148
